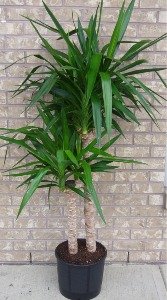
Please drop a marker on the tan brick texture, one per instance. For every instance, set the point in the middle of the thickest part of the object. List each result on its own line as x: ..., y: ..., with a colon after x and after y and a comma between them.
x: 131, y: 197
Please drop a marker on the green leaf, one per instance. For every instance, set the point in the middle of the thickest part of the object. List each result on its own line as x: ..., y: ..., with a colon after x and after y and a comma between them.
x: 72, y: 157
x: 90, y: 187
x: 45, y: 89
x: 126, y: 20
x: 116, y: 34
x: 32, y: 188
x: 96, y: 107
x: 92, y: 73
x: 81, y: 36
x: 107, y: 97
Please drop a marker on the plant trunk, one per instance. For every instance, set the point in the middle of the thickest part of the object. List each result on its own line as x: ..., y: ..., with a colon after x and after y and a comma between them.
x: 89, y: 209
x: 72, y: 222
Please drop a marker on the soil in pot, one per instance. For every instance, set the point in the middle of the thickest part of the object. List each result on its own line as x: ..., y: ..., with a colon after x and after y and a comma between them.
x: 83, y: 257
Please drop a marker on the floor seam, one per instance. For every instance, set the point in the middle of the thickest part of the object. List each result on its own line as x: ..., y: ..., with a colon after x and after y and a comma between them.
x: 163, y: 277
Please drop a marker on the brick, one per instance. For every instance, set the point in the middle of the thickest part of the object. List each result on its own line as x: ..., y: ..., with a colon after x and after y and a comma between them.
x: 146, y: 234
x: 156, y: 199
x: 158, y: 151
x: 6, y: 246
x: 44, y: 211
x: 6, y: 223
x: 23, y: 42
x: 51, y: 245
x: 144, y: 16
x: 124, y: 199
x: 147, y: 139
x: 2, y: 98
x: 57, y: 223
x: 161, y: 45
x: 128, y: 245
x: 147, y: 211
x: 157, y: 176
x: 30, y: 223
x: 162, y: 16
x: 151, y: 188
x: 156, y: 222
x: 41, y: 256
x: 11, y: 112
x: 5, y: 200
x: 131, y: 176
x: 129, y: 222
x: 47, y: 234
x: 113, y: 188
x: 164, y: 234
x: 1, y: 42
x: 2, y: 14
x: 164, y: 256
x: 132, y: 151
x: 29, y: 245
x: 116, y: 211
x: 17, y: 13
x: 111, y: 234
x: 156, y: 245
x: 11, y: 28
x: 14, y: 234
x: 18, y: 256
x: 142, y: 256
x: 117, y: 256
x: 103, y: 176
x: 150, y: 163
x: 153, y: 4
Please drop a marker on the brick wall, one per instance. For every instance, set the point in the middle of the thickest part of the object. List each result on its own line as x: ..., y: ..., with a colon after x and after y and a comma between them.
x: 132, y: 197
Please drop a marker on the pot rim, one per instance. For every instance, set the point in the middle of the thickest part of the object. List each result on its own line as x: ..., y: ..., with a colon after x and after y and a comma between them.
x: 79, y: 265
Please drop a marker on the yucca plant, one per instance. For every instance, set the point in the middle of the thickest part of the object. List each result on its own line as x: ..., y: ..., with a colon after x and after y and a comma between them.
x: 91, y: 87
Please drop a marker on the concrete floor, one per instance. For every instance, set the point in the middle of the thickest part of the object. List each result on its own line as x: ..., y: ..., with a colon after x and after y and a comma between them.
x: 121, y: 282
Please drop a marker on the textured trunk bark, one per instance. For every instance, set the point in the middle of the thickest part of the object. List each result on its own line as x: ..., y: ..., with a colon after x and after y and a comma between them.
x: 89, y: 213
x: 89, y: 210
x: 72, y: 222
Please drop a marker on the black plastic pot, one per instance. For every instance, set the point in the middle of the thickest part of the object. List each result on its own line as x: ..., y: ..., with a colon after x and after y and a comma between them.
x: 80, y: 282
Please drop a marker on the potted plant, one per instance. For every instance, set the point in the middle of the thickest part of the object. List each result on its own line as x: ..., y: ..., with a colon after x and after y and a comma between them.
x: 89, y: 89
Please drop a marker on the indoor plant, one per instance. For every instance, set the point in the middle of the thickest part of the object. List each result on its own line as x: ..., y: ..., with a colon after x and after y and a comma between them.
x: 87, y: 87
